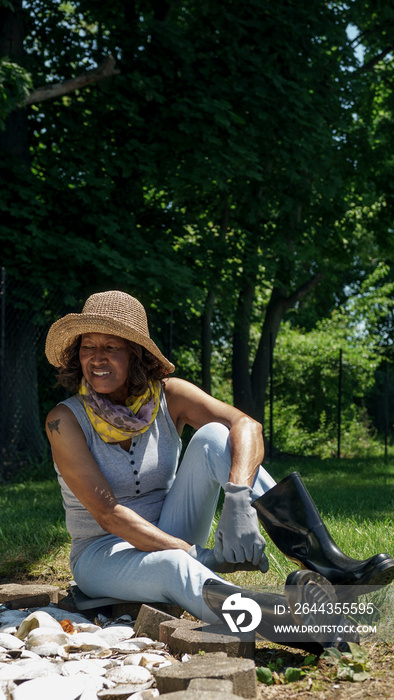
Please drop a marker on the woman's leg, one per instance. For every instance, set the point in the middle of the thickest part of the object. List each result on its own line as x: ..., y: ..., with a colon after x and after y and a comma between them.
x: 112, y: 567
x: 190, y: 505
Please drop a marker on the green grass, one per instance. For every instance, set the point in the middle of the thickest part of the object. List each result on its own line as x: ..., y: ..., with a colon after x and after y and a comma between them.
x: 355, y: 497
x: 33, y: 538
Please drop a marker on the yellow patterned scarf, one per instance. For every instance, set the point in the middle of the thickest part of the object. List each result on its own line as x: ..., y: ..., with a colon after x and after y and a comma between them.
x: 115, y: 423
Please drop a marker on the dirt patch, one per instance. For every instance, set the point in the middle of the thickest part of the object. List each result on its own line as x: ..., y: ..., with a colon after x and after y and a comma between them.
x: 322, y: 684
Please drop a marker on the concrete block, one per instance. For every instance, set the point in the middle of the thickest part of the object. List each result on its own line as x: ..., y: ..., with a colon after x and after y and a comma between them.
x: 186, y: 636
x: 211, y: 684
x: 241, y: 672
x: 149, y: 620
x: 28, y: 595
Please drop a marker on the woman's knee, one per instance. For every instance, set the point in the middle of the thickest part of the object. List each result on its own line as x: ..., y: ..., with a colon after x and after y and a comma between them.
x: 212, y: 435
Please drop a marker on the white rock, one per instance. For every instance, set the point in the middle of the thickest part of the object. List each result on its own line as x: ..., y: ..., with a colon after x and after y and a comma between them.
x: 51, y: 688
x: 47, y: 642
x: 86, y: 641
x: 147, y: 660
x: 86, y: 627
x: 145, y: 643
x: 27, y: 669
x: 40, y: 618
x: 116, y: 633
x: 90, y: 692
x: 10, y: 642
x: 129, y: 674
x: 92, y: 667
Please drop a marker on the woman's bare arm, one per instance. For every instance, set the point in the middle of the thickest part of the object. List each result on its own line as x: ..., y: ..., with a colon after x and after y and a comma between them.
x: 83, y: 476
x: 189, y: 404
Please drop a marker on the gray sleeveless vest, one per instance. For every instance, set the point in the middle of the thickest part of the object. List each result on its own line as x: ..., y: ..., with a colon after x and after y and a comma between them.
x: 139, y: 478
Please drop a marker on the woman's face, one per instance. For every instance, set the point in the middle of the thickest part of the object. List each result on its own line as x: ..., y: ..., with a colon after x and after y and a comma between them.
x: 105, y: 364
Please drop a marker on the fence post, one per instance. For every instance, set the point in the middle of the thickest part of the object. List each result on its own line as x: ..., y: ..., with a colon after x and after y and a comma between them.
x: 271, y: 359
x: 2, y: 363
x: 386, y: 408
x: 339, y: 404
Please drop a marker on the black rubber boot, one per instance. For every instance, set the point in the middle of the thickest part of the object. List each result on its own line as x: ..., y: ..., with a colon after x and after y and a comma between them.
x: 305, y: 603
x: 291, y: 519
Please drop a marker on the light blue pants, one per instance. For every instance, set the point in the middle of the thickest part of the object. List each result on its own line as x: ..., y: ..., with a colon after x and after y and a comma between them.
x: 112, y: 567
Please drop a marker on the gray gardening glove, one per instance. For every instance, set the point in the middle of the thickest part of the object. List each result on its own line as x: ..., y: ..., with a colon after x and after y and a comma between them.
x: 238, y: 537
x: 208, y: 559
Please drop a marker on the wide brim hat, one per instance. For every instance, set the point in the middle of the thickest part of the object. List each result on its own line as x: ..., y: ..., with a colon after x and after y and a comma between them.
x: 113, y: 313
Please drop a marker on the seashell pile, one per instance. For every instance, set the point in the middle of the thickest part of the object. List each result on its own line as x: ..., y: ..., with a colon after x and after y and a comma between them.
x: 49, y: 654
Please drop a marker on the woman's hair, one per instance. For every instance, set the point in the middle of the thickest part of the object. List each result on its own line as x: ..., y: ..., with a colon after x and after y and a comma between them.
x: 143, y: 368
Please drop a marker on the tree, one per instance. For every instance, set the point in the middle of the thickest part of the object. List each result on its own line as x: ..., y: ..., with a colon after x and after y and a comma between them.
x: 216, y: 174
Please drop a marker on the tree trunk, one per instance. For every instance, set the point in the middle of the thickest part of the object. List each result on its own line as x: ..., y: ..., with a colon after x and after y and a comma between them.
x: 242, y: 390
x: 277, y: 307
x: 206, y: 342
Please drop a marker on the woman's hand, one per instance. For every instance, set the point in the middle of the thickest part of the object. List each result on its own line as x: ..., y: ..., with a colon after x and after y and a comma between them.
x: 83, y: 476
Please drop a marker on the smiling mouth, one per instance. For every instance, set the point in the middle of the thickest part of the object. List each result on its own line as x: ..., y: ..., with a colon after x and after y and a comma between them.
x: 100, y: 374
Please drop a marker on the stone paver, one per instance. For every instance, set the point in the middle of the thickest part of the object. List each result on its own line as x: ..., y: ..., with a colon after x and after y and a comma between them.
x: 149, y: 620
x: 241, y: 672
x: 21, y: 595
x: 186, y: 636
x: 212, y: 684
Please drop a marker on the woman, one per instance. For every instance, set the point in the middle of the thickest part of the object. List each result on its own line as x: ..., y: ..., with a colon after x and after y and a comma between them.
x: 139, y: 533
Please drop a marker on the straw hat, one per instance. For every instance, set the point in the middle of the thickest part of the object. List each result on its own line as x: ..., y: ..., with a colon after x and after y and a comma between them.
x: 114, y: 313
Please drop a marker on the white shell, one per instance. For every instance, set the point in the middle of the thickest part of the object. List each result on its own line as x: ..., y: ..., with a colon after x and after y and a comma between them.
x: 129, y: 674
x: 147, y: 660
x: 37, y: 619
x: 86, y: 627
x: 86, y: 641
x: 116, y: 633
x: 51, y: 688
x: 10, y: 642
x: 46, y: 642
x: 145, y: 642
x: 92, y: 667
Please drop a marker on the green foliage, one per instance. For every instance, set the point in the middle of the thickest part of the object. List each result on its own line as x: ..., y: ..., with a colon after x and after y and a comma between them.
x: 15, y: 85
x: 238, y: 152
x: 276, y: 673
x: 353, y: 666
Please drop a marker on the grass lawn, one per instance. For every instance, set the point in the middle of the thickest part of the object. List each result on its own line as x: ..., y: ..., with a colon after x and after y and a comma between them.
x: 356, y: 498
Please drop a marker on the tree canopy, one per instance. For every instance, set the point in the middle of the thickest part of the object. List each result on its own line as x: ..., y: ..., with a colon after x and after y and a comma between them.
x: 227, y: 163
